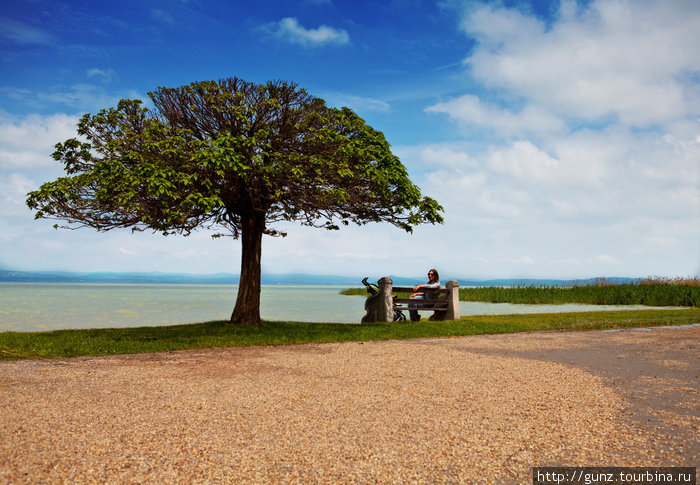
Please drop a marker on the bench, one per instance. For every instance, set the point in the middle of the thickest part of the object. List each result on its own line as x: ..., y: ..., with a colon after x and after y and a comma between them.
x: 381, y: 307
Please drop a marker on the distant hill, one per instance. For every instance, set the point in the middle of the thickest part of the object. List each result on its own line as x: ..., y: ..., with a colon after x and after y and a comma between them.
x: 545, y: 282
x: 267, y: 279
x: 170, y: 278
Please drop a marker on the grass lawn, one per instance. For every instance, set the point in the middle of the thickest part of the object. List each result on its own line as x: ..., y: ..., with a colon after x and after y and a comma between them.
x: 72, y: 343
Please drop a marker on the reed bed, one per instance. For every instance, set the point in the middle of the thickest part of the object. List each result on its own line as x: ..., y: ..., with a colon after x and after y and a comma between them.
x: 681, y: 292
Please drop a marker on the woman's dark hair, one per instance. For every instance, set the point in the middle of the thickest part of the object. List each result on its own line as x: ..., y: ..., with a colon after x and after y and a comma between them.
x: 437, y: 276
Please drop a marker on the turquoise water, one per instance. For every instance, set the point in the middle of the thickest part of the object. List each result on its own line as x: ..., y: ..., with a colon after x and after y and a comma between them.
x: 51, y: 306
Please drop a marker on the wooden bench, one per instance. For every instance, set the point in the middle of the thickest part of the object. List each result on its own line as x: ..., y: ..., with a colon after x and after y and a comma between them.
x: 381, y: 307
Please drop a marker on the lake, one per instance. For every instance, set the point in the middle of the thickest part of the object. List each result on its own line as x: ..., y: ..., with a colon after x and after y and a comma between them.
x: 32, y: 307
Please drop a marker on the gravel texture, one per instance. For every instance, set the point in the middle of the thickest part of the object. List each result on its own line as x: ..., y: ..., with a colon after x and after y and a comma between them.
x: 481, y: 409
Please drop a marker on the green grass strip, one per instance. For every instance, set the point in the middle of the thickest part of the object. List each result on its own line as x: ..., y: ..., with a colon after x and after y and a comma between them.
x: 94, y: 342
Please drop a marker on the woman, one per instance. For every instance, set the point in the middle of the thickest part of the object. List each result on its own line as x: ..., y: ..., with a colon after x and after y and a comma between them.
x: 432, y: 284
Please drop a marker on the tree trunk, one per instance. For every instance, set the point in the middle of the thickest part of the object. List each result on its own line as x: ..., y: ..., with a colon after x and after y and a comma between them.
x: 247, y: 309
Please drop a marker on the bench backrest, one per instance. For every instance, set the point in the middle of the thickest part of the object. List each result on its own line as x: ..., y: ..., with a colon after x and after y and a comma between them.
x: 409, y: 289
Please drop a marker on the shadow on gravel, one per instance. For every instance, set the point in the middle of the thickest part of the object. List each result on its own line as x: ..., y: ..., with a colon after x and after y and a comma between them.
x: 656, y: 371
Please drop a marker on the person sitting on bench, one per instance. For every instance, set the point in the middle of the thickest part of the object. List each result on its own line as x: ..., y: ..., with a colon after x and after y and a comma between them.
x: 432, y: 284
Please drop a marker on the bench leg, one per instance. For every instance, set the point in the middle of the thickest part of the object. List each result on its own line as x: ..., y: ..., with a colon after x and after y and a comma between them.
x: 438, y: 316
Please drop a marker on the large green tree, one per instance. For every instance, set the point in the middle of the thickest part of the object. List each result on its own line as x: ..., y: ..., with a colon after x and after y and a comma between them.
x: 233, y: 155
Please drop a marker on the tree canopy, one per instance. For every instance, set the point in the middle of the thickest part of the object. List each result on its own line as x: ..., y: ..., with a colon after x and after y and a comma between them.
x: 232, y: 155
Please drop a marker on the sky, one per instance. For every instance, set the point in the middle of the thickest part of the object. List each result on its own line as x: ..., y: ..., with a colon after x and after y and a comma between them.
x: 561, y: 137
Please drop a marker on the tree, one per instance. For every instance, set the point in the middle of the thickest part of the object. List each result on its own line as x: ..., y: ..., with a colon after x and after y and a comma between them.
x: 232, y: 155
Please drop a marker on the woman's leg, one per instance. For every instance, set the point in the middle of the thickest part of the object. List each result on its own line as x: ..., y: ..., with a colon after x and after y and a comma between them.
x: 414, y: 313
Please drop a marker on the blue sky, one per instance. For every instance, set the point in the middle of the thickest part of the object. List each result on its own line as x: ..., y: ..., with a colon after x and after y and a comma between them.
x: 563, y: 138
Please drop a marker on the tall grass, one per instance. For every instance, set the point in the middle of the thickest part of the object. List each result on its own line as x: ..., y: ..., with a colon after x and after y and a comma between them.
x: 683, y: 292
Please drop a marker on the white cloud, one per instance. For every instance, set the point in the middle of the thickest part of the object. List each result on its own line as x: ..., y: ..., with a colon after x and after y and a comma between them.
x: 81, y: 97
x: 28, y: 142
x: 472, y: 112
x: 13, y: 191
x: 359, y: 104
x: 523, y: 160
x: 613, y: 174
x: 594, y: 140
x: 437, y: 156
x: 616, y: 57
x: 632, y: 197
x: 26, y: 145
x: 290, y: 30
x: 104, y: 74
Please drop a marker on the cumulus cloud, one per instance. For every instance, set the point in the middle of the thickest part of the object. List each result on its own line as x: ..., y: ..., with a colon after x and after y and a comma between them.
x: 594, y: 138
x: 290, y: 30
x: 444, y: 156
x: 472, y: 112
x: 611, y: 175
x: 28, y: 142
x: 615, y: 57
x: 26, y: 145
x: 14, y: 189
x: 632, y: 196
x: 523, y: 160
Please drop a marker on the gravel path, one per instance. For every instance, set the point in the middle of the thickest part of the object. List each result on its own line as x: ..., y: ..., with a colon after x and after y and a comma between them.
x: 481, y: 409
